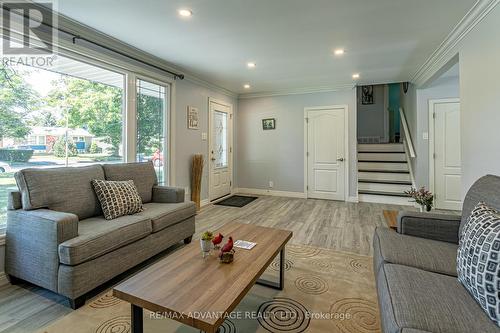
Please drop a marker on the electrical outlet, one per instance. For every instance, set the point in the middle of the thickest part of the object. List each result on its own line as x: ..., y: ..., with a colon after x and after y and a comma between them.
x: 425, y: 135
x: 271, y: 184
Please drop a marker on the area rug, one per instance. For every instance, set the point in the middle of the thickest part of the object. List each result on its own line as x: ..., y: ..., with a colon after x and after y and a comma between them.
x: 236, y: 201
x: 325, y: 291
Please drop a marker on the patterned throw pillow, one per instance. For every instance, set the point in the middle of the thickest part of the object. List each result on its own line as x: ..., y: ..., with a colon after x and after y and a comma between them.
x: 478, y: 259
x: 117, y: 198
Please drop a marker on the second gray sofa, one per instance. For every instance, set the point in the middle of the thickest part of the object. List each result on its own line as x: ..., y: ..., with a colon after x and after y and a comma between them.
x: 416, y: 271
x: 58, y: 239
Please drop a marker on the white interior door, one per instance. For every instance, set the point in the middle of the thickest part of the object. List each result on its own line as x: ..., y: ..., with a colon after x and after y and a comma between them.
x: 326, y: 153
x: 220, y: 150
x: 447, y: 157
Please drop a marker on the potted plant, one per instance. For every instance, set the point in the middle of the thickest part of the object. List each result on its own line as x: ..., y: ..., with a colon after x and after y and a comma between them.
x: 206, y: 242
x: 422, y: 197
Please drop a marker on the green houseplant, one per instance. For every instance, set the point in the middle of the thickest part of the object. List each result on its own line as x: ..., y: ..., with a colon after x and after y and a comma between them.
x: 206, y: 242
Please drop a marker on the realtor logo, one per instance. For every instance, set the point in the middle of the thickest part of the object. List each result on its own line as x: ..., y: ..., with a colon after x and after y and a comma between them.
x: 27, y: 28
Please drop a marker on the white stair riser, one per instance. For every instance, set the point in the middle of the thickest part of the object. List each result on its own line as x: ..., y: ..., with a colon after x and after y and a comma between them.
x: 385, y: 199
x: 399, y: 157
x: 383, y: 166
x: 392, y: 188
x: 384, y: 176
x: 382, y: 147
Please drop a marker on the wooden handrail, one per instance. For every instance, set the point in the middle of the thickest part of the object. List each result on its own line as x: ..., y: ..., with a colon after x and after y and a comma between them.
x: 409, y: 143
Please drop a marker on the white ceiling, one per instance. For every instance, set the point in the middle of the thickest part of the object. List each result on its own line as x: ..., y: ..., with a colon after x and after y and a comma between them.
x: 292, y: 41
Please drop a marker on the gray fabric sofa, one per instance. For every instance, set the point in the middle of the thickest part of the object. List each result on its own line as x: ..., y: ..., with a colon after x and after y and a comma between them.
x: 416, y: 275
x: 58, y: 239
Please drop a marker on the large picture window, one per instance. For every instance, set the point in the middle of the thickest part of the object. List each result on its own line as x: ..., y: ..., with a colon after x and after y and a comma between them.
x: 68, y: 114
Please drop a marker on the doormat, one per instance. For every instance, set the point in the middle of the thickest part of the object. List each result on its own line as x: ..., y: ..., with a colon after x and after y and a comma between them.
x: 236, y: 201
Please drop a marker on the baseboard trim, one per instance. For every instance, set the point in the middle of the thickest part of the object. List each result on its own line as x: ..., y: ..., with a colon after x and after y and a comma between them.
x: 353, y: 199
x: 372, y: 198
x: 270, y: 192
x: 3, y: 279
x: 204, y: 202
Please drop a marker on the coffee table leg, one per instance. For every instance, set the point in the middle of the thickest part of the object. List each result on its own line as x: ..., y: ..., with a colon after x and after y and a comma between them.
x: 281, y: 283
x: 136, y: 324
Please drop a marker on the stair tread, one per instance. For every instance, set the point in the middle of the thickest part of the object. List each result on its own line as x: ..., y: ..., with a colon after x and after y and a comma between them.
x: 383, y: 171
x: 397, y: 182
x: 392, y: 194
x: 378, y: 161
x: 380, y: 152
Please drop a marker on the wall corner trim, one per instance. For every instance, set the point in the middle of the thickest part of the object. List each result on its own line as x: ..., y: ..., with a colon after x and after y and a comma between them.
x: 273, y: 193
x: 3, y: 279
x: 441, y: 55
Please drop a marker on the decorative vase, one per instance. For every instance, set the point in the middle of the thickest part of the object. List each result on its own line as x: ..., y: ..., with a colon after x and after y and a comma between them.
x: 428, y: 208
x: 196, y: 175
x: 206, y: 246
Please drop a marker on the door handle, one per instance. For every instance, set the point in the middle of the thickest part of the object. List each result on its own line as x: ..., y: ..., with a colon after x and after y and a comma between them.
x: 213, y: 158
x: 340, y: 159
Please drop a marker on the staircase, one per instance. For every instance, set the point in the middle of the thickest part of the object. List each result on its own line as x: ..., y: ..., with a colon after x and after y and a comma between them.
x: 383, y: 173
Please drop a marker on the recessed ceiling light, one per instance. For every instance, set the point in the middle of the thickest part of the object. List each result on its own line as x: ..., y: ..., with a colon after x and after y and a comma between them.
x: 251, y: 65
x: 185, y: 12
x: 339, y: 52
x: 355, y: 76
x: 246, y: 86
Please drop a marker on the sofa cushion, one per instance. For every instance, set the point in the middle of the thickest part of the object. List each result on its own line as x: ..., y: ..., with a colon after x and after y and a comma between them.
x: 164, y: 215
x: 426, y: 301
x: 142, y: 173
x: 430, y: 255
x: 117, y: 198
x: 66, y: 190
x: 97, y: 236
x: 478, y: 259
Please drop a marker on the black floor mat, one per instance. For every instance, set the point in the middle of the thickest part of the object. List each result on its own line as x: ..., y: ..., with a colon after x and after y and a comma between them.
x: 236, y: 201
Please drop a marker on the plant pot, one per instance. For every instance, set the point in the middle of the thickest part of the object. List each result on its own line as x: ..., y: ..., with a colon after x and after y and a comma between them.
x: 206, y: 246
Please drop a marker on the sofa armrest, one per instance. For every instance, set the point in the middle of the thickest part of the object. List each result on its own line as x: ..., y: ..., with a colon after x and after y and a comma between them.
x: 14, y: 200
x: 442, y: 227
x: 32, y: 241
x: 167, y: 194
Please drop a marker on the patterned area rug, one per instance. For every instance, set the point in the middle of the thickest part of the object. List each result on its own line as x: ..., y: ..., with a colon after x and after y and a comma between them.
x: 325, y: 291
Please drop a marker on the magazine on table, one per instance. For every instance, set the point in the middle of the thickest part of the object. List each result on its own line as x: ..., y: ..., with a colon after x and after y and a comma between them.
x: 244, y: 244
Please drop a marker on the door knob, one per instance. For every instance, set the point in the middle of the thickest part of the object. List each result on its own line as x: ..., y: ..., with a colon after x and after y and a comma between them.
x: 340, y: 159
x: 213, y: 158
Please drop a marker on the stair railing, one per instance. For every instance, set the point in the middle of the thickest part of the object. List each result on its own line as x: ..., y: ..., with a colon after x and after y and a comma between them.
x: 407, y: 136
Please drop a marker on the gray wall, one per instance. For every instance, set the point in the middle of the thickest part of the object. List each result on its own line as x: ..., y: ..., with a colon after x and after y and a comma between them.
x: 278, y: 155
x: 447, y: 87
x: 371, y: 117
x: 189, y: 142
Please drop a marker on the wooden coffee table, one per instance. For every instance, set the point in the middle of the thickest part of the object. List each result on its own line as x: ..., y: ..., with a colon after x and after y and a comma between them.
x: 183, y: 285
x: 391, y: 217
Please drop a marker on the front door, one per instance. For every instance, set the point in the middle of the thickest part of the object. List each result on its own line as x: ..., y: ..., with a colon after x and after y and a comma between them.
x: 447, y: 155
x: 326, y: 153
x: 220, y: 150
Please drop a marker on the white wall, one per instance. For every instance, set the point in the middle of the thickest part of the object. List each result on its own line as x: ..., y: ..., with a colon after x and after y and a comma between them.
x: 188, y: 142
x: 480, y: 107
x: 278, y: 155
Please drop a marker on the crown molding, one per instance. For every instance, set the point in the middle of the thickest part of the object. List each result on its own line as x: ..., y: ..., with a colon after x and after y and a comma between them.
x: 299, y: 91
x: 444, y: 52
x: 80, y: 29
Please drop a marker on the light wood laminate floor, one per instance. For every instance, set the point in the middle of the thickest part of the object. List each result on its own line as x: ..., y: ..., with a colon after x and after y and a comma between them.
x: 329, y: 224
